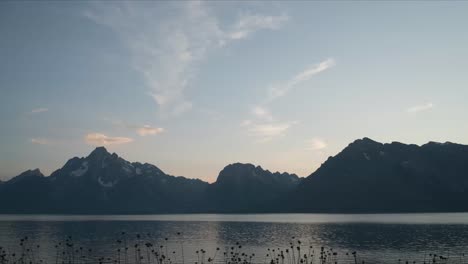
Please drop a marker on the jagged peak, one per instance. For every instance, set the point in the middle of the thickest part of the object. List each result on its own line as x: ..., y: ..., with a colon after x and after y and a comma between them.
x: 366, y: 140
x: 239, y: 170
x: 397, y: 143
x: 98, y: 150
x: 240, y: 165
x: 435, y: 143
x: 364, y: 143
x: 26, y: 174
x: 34, y: 172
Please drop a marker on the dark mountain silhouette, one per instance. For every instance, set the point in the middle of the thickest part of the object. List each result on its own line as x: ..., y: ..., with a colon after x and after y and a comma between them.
x: 101, y: 183
x: 366, y: 176
x: 24, y: 193
x: 246, y: 188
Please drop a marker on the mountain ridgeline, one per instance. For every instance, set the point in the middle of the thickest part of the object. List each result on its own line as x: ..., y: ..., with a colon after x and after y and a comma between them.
x: 369, y: 176
x: 366, y: 176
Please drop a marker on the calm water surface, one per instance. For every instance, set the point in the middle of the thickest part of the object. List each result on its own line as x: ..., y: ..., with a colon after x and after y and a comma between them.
x: 377, y: 238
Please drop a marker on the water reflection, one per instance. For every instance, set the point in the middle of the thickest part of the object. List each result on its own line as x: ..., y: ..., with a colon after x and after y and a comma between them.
x: 378, y: 242
x: 419, y: 218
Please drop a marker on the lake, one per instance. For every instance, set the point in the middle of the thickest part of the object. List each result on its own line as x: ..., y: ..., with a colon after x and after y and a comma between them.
x: 376, y: 238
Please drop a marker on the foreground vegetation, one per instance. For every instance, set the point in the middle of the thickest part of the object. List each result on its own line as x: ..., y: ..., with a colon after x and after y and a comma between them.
x: 144, y: 249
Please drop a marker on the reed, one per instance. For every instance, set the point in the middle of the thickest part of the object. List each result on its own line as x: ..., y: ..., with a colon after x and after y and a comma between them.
x: 147, y: 249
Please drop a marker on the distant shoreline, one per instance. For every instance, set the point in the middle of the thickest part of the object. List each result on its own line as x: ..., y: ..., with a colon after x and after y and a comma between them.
x: 390, y: 218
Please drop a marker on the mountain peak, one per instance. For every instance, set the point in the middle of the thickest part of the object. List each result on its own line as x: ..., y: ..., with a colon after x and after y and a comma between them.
x: 100, y: 149
x: 99, y: 152
x: 245, y: 172
x: 366, y: 140
x: 34, y: 172
x: 27, y: 174
x: 239, y: 165
x: 247, y: 187
x: 435, y: 143
x: 364, y: 143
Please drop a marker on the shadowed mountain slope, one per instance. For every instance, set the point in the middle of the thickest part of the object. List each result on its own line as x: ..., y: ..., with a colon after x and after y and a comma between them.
x: 368, y: 176
x: 248, y: 188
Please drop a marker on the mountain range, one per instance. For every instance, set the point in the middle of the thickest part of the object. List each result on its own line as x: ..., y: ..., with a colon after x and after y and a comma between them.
x: 366, y: 176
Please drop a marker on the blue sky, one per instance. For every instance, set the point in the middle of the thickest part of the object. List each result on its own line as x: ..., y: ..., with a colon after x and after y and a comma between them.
x: 194, y: 86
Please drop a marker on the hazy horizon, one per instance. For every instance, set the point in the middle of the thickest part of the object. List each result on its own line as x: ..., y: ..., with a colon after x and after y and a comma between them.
x: 194, y: 86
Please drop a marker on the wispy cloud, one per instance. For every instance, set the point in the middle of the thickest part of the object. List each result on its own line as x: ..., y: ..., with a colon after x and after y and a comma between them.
x: 263, y: 124
x: 39, y: 110
x: 247, y: 24
x: 142, y: 130
x: 99, y: 139
x: 420, y: 108
x: 280, y: 90
x: 316, y: 144
x: 262, y: 113
x: 149, y: 130
x: 268, y: 131
x: 39, y: 141
x: 169, y: 40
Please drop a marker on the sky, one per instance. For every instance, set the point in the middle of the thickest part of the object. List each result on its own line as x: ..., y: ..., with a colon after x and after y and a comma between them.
x: 194, y: 86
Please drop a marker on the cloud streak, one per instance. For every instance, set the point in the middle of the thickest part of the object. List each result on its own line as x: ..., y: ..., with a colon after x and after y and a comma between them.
x: 316, y: 144
x: 420, y: 108
x: 263, y: 124
x: 149, y: 130
x: 267, y: 131
x: 39, y: 110
x: 247, y: 24
x: 169, y: 40
x: 99, y: 139
x: 262, y: 113
x: 142, y: 130
x: 39, y: 141
x: 280, y: 90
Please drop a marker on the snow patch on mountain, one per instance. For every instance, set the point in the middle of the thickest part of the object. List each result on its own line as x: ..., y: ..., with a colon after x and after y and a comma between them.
x: 103, y: 163
x: 366, y: 156
x: 128, y: 167
x: 81, y: 170
x: 105, y: 184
